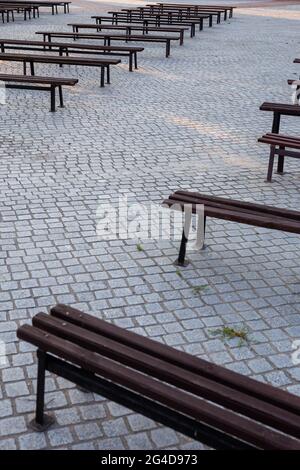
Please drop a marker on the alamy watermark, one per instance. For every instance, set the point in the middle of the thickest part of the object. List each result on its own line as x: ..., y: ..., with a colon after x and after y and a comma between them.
x: 3, y: 354
x: 2, y: 92
x: 296, y: 353
x: 296, y: 91
x: 132, y: 220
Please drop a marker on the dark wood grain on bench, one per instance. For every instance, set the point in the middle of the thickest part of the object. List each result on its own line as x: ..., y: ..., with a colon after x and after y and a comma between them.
x: 172, y: 13
x: 31, y: 59
x: 279, y: 144
x: 69, y: 48
x: 25, y: 82
x: 108, y: 38
x: 253, y: 214
x: 145, y: 28
x: 158, y: 20
x: 163, y: 379
x: 278, y: 109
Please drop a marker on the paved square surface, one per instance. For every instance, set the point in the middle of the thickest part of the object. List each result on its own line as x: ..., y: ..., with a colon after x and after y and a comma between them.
x: 191, y: 122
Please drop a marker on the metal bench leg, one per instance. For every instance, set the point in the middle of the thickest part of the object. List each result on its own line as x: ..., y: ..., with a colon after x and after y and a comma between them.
x: 276, y: 123
x: 181, y: 261
x: 61, y: 101
x: 41, y: 422
x: 181, y: 37
x: 135, y: 60
x: 182, y: 251
x: 168, y: 42
x: 280, y: 164
x: 210, y: 21
x: 24, y: 67
x: 130, y: 62
x: 271, y: 164
x: 52, y: 98
x: 32, y: 68
x: 102, y: 77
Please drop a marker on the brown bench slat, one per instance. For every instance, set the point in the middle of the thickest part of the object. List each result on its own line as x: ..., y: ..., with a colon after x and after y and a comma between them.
x: 135, y: 27
x: 39, y: 79
x: 71, y: 45
x: 178, y: 358
x: 114, y: 37
x: 288, y: 109
x: 58, y: 60
x: 163, y: 16
x: 174, y: 375
x: 232, y: 210
x: 132, y: 36
x: 271, y: 139
x: 71, y: 48
x: 282, y: 137
x: 291, y: 226
x: 158, y: 21
x: 37, y: 83
x: 106, y: 35
x: 178, y: 400
x: 241, y: 205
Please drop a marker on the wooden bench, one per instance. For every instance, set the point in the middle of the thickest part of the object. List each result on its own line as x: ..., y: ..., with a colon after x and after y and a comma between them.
x: 50, y: 84
x: 71, y: 48
x: 195, y: 7
x: 108, y: 38
x: 8, y: 11
x: 278, y: 110
x: 187, y: 12
x: 44, y: 4
x: 183, y: 10
x: 144, y: 28
x: 32, y: 59
x: 173, y: 13
x: 280, y: 145
x: 206, y: 402
x: 158, y: 20
x: 129, y: 28
x: 145, y: 24
x: 249, y: 213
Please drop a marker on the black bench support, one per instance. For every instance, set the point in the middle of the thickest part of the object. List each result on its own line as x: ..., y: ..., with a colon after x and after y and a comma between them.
x: 51, y: 88
x: 129, y: 399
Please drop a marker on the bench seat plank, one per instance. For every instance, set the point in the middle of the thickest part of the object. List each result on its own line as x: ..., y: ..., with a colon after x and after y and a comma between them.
x: 240, y: 205
x: 178, y: 400
x: 38, y: 79
x: 180, y: 359
x: 70, y: 45
x: 158, y: 368
x: 244, y: 217
x: 59, y: 60
x: 283, y: 108
x: 39, y: 83
x: 253, y: 214
x: 279, y: 144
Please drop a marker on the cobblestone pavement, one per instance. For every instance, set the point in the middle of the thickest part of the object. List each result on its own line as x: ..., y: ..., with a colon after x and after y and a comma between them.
x: 191, y: 122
